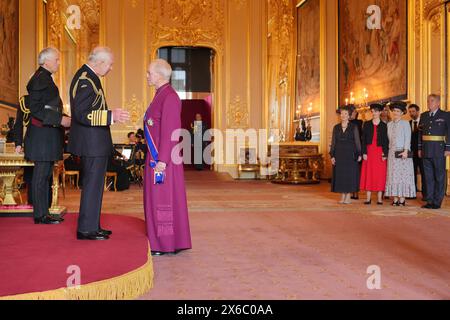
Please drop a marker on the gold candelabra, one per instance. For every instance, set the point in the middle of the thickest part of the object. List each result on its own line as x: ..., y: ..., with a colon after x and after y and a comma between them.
x: 362, y: 108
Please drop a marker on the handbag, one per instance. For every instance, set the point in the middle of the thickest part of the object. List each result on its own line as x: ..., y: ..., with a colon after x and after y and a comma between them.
x: 398, y: 154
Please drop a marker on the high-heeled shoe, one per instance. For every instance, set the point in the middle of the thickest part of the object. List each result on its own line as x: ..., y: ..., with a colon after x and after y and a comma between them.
x: 368, y: 202
x: 380, y: 203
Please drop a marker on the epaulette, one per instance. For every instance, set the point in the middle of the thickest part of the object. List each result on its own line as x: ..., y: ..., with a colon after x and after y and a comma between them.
x: 98, y: 92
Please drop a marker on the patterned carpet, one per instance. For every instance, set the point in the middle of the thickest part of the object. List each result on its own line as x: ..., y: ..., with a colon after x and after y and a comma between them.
x: 257, y: 240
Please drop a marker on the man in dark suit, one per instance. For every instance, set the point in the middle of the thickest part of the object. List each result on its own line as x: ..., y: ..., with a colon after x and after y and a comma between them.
x: 90, y: 138
x: 414, y: 113
x: 198, y: 129
x: 434, y: 146
x: 43, y: 139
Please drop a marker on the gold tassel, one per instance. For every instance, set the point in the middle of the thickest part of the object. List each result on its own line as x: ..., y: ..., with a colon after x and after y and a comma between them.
x: 125, y: 287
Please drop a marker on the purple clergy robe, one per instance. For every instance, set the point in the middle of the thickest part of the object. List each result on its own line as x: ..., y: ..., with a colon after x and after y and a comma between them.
x: 165, y: 205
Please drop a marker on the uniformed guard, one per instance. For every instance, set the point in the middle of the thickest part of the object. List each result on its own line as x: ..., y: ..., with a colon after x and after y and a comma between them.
x: 23, y: 122
x: 434, y: 146
x: 43, y: 140
x: 90, y: 138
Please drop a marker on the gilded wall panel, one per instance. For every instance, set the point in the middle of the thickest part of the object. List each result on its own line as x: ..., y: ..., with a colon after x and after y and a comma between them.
x: 9, y: 51
x: 74, y: 44
x: 280, y: 48
x: 238, y: 86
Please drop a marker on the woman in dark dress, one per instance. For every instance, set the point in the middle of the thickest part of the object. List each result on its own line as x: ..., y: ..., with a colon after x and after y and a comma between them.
x: 345, y: 155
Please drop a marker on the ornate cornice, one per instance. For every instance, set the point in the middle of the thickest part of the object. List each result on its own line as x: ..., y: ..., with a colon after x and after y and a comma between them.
x: 187, y: 22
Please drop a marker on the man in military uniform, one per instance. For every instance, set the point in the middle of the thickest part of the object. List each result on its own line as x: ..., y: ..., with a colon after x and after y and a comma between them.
x: 434, y: 146
x: 23, y: 120
x: 90, y: 138
x: 43, y: 139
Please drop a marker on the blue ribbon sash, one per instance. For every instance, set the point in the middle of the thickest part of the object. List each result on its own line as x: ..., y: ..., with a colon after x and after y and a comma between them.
x: 158, y: 177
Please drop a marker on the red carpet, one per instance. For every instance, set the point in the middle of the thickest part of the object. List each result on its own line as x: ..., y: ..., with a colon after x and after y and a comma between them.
x: 35, y: 258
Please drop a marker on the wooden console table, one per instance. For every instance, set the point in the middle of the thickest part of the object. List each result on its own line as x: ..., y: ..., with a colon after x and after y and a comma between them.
x: 11, y: 164
x: 299, y: 163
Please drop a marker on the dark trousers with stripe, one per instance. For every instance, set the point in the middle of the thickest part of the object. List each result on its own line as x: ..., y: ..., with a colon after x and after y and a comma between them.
x: 42, y: 173
x: 94, y: 170
x: 435, y: 179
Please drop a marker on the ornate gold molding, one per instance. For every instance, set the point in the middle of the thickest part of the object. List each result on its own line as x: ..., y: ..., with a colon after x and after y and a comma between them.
x: 237, y: 114
x: 85, y: 39
x: 187, y: 22
x: 136, y: 109
x: 280, y: 62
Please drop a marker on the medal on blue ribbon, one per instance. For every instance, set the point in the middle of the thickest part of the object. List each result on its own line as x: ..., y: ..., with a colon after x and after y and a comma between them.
x: 158, y: 177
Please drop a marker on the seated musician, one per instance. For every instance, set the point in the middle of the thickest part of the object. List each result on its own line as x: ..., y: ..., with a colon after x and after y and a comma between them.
x: 118, y: 163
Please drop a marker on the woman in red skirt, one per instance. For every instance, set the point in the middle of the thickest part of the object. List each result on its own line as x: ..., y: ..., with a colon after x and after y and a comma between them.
x: 375, y: 149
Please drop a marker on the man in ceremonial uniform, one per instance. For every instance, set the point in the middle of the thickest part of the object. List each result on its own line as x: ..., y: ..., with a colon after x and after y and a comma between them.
x: 90, y: 138
x: 44, y: 137
x: 434, y: 146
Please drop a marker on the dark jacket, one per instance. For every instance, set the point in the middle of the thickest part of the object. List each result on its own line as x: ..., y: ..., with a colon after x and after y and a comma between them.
x: 439, y: 125
x: 414, y: 138
x: 382, y: 136
x: 90, y: 135
x: 351, y: 137
x: 44, y: 142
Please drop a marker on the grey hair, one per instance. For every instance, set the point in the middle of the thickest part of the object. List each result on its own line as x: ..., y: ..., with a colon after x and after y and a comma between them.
x: 46, y: 54
x: 100, y: 54
x: 163, y: 68
x: 435, y: 97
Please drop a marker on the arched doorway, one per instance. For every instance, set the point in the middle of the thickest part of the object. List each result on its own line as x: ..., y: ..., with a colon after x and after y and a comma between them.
x: 193, y: 79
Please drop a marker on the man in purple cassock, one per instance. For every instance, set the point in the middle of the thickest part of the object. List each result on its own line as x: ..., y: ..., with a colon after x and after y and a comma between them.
x: 165, y: 202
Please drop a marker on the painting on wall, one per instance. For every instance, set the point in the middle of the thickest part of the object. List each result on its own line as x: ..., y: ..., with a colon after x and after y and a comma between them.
x: 373, y: 50
x: 9, y: 52
x: 308, y: 64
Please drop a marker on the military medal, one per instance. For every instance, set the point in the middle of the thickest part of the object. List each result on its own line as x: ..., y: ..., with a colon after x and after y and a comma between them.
x: 150, y: 122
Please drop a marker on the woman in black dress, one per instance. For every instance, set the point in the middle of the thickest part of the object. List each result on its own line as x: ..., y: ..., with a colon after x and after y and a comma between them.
x: 345, y: 155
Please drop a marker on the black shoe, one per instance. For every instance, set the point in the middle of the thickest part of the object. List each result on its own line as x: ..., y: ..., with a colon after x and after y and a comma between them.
x: 104, y: 232
x: 428, y: 206
x: 402, y: 203
x: 56, y: 217
x: 91, y: 236
x: 380, y: 203
x: 46, y: 220
x: 436, y: 207
x: 158, y: 253
x: 368, y: 202
x: 395, y: 203
x: 354, y: 197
